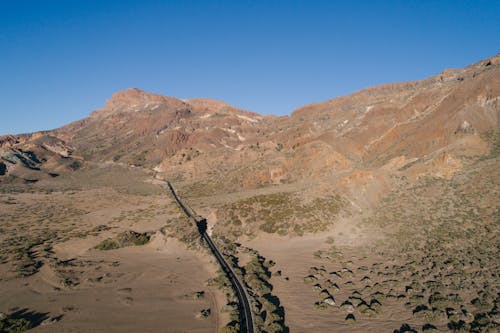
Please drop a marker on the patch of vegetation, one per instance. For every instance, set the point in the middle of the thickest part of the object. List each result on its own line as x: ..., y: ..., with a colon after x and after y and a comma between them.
x: 107, y: 244
x: 204, y: 313
x: 198, y: 295
x: 233, y: 328
x: 281, y: 213
x: 493, y: 139
x: 96, y: 230
x: 444, y: 236
x: 22, y: 320
x: 221, y: 281
x: 14, y: 325
x: 331, y: 254
x: 269, y: 315
x: 124, y: 239
x: 350, y: 319
x: 31, y: 227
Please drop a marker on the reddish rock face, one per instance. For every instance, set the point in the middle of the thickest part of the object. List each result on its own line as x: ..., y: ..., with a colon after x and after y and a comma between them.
x: 393, y: 127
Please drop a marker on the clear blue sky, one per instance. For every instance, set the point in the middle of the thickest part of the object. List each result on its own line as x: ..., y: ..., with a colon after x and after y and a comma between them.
x: 59, y: 60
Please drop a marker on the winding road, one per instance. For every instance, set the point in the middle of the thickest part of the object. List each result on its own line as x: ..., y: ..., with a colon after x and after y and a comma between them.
x: 245, y: 311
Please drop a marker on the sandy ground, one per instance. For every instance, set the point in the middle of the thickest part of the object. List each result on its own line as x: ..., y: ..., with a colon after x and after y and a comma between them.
x: 133, y: 289
x: 150, y: 288
x: 142, y: 291
x: 294, y: 258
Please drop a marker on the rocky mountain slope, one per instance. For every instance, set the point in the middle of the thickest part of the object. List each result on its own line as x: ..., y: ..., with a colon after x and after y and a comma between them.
x: 36, y: 156
x: 423, y: 127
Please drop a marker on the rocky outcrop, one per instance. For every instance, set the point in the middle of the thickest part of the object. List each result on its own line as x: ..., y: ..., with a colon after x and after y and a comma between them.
x: 34, y: 156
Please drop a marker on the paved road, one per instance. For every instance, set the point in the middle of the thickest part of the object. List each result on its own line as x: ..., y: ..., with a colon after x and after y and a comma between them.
x: 246, y: 322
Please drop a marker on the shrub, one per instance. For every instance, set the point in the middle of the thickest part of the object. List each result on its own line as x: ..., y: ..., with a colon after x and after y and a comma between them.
x: 14, y: 325
x: 107, y: 244
x: 230, y: 329
x: 126, y: 238
x: 350, y: 319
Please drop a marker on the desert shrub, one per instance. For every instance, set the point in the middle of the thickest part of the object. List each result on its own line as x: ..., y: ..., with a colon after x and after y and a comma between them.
x: 220, y: 281
x: 9, y: 324
x: 269, y: 314
x: 310, y: 279
x: 350, y: 319
x: 420, y: 310
x: 438, y: 300
x: 405, y: 328
x: 199, y: 295
x: 429, y: 328
x: 320, y: 306
x: 107, y: 244
x: 459, y: 326
x: 375, y: 304
x: 230, y: 329
x: 205, y: 313
x: 274, y: 327
x: 481, y: 303
x: 126, y: 238
x: 483, y: 323
x: 100, y: 228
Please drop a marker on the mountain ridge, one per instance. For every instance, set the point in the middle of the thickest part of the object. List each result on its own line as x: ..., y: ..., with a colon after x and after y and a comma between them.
x: 202, y: 140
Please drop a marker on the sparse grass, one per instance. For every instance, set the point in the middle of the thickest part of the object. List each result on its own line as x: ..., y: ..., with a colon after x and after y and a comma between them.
x: 281, y: 213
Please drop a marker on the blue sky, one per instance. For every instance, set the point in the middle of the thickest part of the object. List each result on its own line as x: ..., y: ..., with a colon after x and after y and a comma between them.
x: 59, y: 60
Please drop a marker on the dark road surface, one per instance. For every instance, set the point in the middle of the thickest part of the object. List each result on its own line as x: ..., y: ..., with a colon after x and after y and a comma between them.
x: 246, y: 322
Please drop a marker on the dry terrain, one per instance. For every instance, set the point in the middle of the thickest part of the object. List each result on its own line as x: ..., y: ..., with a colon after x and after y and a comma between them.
x: 377, y: 211
x: 53, y: 275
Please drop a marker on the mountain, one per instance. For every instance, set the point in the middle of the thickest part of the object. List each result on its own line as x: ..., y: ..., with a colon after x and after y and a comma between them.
x: 428, y: 126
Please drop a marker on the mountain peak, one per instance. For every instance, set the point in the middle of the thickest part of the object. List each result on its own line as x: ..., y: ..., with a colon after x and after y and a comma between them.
x: 134, y: 99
